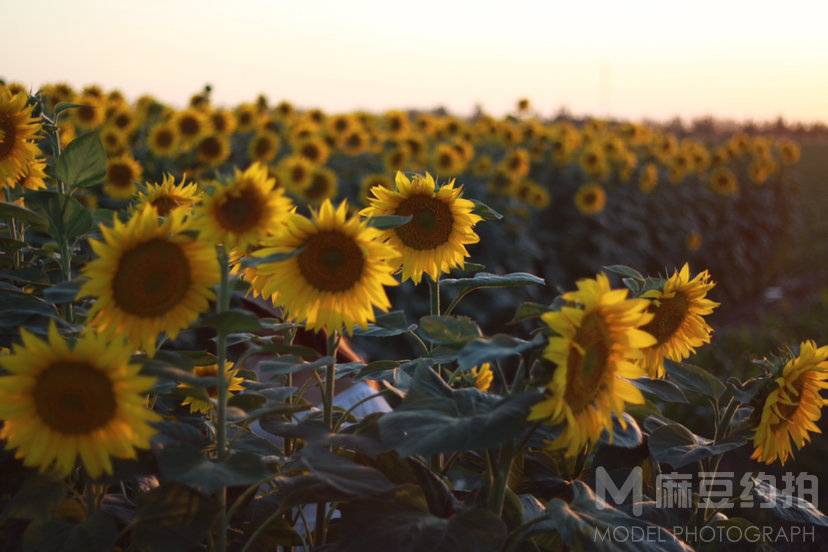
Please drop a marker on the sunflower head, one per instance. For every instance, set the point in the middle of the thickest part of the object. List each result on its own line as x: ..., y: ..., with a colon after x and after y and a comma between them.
x: 213, y: 150
x: 794, y: 406
x: 163, y: 140
x: 190, y: 124
x: 590, y: 199
x: 18, y: 133
x: 60, y: 402
x: 679, y: 309
x: 197, y: 404
x: 723, y: 181
x: 243, y: 211
x: 323, y: 186
x: 442, y: 224
x: 595, y: 346
x: 168, y: 196
x: 121, y: 175
x: 336, y: 279
x: 369, y: 181
x: 295, y: 172
x: 264, y: 146
x: 149, y: 277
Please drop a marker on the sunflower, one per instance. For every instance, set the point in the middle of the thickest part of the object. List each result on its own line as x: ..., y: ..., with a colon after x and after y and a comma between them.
x: 213, y: 150
x: 241, y: 213
x: 163, y: 140
x: 323, y: 186
x: 793, y: 408
x: 90, y: 112
x: 113, y: 140
x: 502, y: 183
x: 678, y: 324
x: 648, y: 179
x: 247, y: 117
x: 314, y: 149
x: 191, y: 124
x: 397, y: 123
x: 337, y: 278
x: 34, y: 175
x: 61, y: 402
x: 590, y: 199
x: 149, y: 277
x: 18, y: 131
x: 789, y: 152
x: 596, y: 351
x: 482, y: 166
x: 516, y: 163
x: 442, y: 224
x: 482, y: 376
x: 121, y: 175
x: 295, y: 173
x: 123, y: 119
x: 447, y: 160
x: 398, y: 158
x: 223, y: 122
x: 169, y: 196
x: 234, y: 383
x: 371, y: 180
x: 354, y: 141
x: 723, y: 182
x: 594, y: 162
x: 264, y: 146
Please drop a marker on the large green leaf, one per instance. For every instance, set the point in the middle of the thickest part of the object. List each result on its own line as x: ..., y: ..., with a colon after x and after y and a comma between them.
x: 188, y: 466
x: 494, y: 348
x: 661, y: 388
x: 694, y: 378
x: 405, y: 525
x: 676, y: 445
x: 12, y: 210
x: 83, y: 162
x: 589, y: 523
x: 435, y: 418
x: 483, y: 280
x: 448, y: 330
x: 345, y: 475
x: 387, y: 325
x: 787, y: 507
x: 233, y: 321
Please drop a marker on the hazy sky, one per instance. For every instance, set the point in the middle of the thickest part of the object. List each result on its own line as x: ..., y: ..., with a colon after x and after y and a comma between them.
x: 628, y: 58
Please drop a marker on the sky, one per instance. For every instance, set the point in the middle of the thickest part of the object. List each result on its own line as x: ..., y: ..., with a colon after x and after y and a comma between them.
x: 624, y: 58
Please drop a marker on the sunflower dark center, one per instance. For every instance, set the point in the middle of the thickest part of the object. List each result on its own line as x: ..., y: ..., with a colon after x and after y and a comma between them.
x: 319, y: 187
x: 86, y: 113
x: 431, y: 224
x: 262, y: 147
x: 152, y: 278
x: 74, y: 398
x: 164, y: 138
x: 166, y: 203
x: 8, y: 132
x: 331, y: 261
x: 122, y: 121
x: 242, y: 211
x: 668, y: 317
x: 310, y: 151
x: 210, y: 147
x: 189, y: 126
x: 120, y: 175
x: 586, y: 368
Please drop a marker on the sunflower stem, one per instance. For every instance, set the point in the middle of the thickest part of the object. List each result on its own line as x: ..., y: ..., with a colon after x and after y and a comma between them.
x: 222, y: 305
x: 327, y: 413
x: 434, y: 295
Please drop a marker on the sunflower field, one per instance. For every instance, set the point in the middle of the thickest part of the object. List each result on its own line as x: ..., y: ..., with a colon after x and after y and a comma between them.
x: 262, y: 327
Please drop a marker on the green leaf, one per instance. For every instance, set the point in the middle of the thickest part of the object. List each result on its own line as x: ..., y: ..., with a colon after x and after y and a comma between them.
x: 406, y: 525
x: 290, y: 364
x: 484, y: 211
x: 787, y: 507
x: 483, y: 280
x: 187, y: 466
x: 677, y: 446
x: 528, y: 310
x: 627, y: 436
x: 171, y: 518
x: 694, y: 378
x: 387, y: 325
x: 581, y: 521
x: 625, y: 271
x: 63, y: 106
x: 661, y: 388
x: 387, y: 222
x: 345, y: 475
x: 494, y: 348
x: 249, y: 262
x: 62, y: 293
x: 435, y: 418
x: 37, y: 498
x: 83, y: 162
x: 448, y: 330
x: 67, y: 217
x: 11, y: 210
x: 233, y: 321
